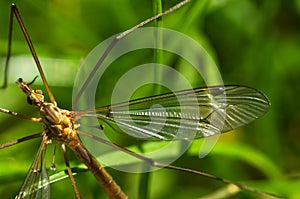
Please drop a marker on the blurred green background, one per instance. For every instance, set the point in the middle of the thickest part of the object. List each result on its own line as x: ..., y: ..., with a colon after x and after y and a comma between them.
x: 254, y: 43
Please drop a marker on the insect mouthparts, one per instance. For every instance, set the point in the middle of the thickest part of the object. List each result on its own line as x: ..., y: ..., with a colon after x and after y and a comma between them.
x: 20, y: 80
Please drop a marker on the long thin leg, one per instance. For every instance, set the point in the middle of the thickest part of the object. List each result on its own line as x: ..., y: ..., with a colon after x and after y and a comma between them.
x: 63, y: 147
x: 8, y: 48
x: 15, y: 11
x: 33, y: 119
x: 160, y: 165
x: 21, y: 140
x: 113, y: 43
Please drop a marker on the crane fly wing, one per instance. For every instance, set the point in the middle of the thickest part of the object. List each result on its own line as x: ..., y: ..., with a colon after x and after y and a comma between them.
x: 186, y: 114
x: 36, y: 184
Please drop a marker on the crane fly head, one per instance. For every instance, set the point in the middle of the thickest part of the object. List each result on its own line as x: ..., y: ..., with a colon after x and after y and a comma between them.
x: 34, y: 97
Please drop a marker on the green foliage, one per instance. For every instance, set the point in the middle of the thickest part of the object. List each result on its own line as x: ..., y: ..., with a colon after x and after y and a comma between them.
x: 255, y: 43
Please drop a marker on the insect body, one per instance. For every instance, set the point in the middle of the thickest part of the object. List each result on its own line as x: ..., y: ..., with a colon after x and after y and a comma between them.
x: 213, y: 110
x: 59, y: 125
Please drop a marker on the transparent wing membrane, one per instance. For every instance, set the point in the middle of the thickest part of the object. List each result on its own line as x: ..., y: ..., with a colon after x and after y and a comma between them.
x: 182, y: 115
x: 187, y: 114
x: 36, y: 184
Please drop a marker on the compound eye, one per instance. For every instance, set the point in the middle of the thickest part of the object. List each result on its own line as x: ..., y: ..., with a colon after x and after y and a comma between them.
x: 29, y: 101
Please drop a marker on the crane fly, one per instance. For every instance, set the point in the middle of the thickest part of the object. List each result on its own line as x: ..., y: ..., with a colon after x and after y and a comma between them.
x: 237, y: 105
